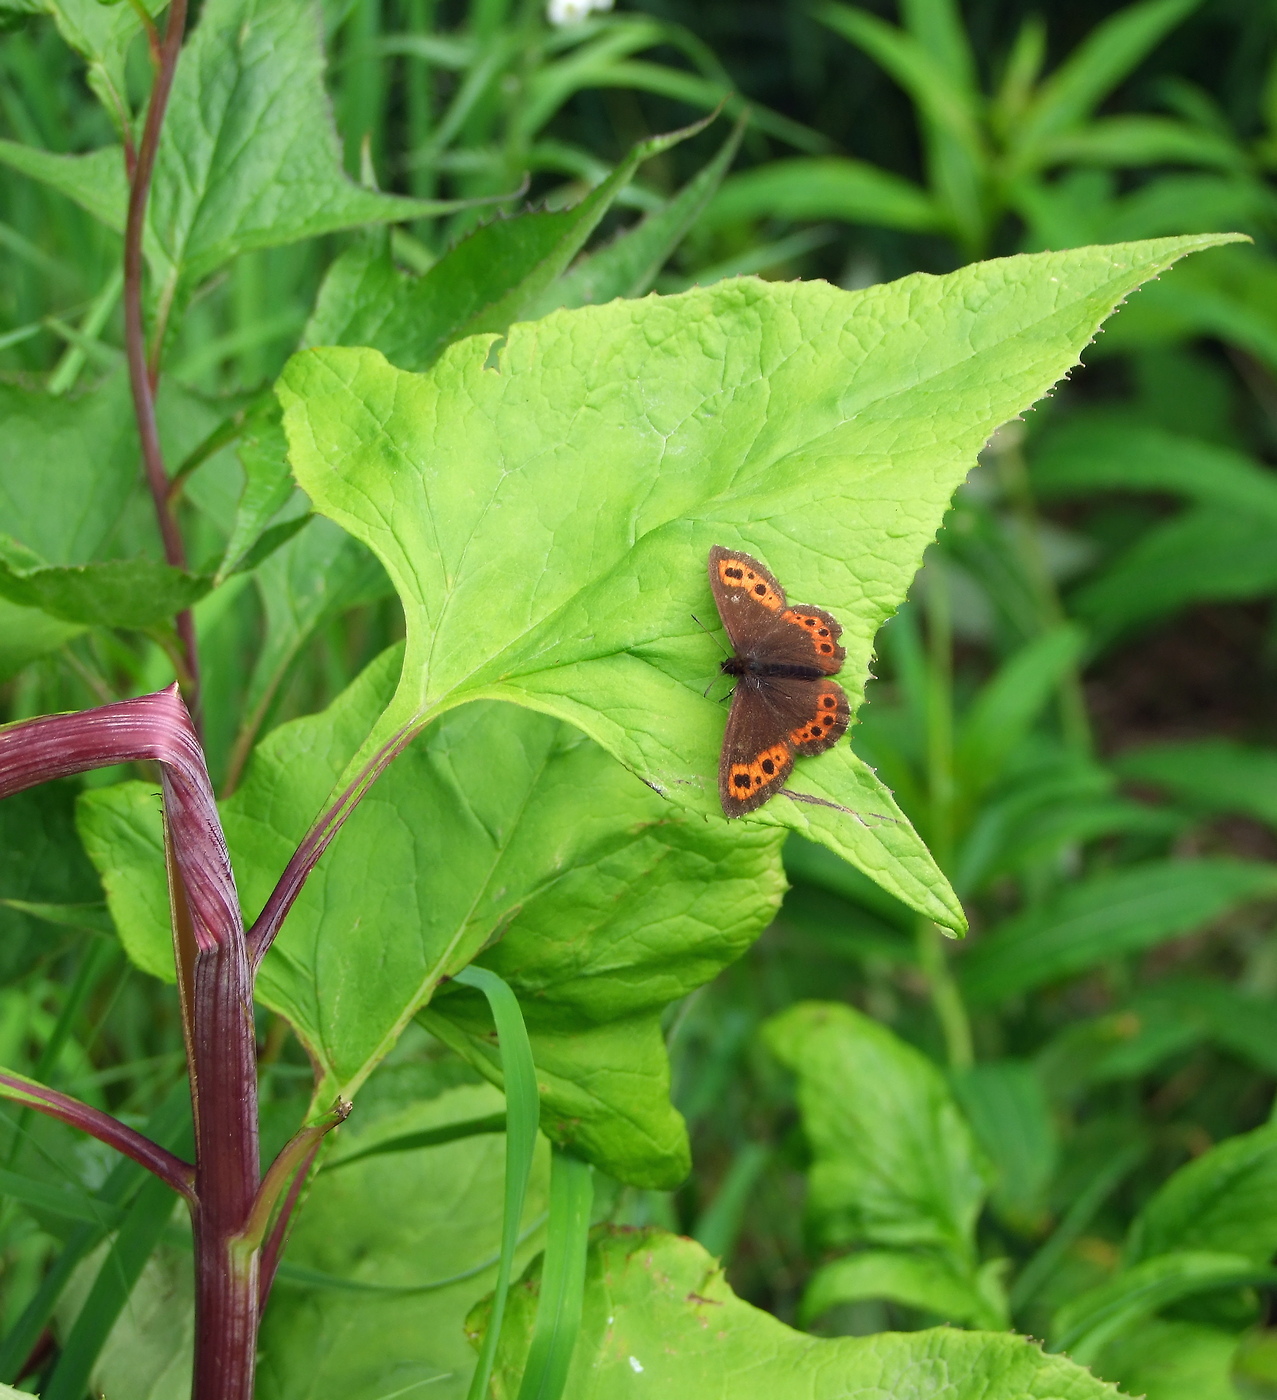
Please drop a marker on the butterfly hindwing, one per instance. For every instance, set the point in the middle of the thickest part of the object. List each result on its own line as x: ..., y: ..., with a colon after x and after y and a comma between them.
x: 756, y: 757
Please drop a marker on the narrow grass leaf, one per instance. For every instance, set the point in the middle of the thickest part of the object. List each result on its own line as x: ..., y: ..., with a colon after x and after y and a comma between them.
x: 522, y: 1116
x: 562, y: 1294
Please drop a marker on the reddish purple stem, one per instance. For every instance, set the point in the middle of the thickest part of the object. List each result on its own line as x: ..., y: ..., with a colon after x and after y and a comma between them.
x: 315, y: 843
x: 178, y: 1174
x: 156, y: 727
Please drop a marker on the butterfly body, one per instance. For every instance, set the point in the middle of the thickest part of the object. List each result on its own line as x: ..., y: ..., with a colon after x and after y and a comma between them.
x: 785, y: 702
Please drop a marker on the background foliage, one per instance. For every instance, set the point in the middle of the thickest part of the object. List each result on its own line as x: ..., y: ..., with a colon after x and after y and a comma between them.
x: 1074, y: 709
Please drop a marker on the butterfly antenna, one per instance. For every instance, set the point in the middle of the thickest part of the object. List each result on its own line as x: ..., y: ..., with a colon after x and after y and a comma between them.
x: 708, y: 633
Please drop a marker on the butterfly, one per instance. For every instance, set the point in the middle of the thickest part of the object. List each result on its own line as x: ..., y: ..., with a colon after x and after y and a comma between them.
x: 784, y: 702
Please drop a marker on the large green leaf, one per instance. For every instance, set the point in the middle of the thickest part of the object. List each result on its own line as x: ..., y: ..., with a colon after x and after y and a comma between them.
x: 1224, y: 1200
x: 661, y: 1320
x: 546, y: 518
x: 499, y: 824
x: 894, y: 1162
x: 387, y: 1258
x: 1106, y: 917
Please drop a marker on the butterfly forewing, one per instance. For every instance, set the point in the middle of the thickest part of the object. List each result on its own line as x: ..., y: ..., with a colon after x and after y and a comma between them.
x: 760, y: 622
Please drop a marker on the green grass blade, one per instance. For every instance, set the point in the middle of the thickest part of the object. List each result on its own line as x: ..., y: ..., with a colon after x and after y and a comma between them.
x: 120, y: 1270
x: 522, y: 1115
x: 562, y: 1280
x: 169, y: 1125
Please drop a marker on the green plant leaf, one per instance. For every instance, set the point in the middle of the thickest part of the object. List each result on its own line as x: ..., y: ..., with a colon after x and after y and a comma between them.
x: 116, y: 593
x: 74, y: 506
x: 927, y: 1282
x: 498, y: 823
x: 1087, y: 1324
x: 1204, y: 554
x: 1142, y: 140
x: 249, y: 157
x: 103, y: 34
x: 948, y: 102
x: 389, y: 1255
x: 95, y: 181
x: 1232, y: 296
x: 41, y: 862
x: 1172, y: 1360
x: 1006, y: 1104
x: 1209, y: 775
x: 268, y: 486
x: 123, y: 832
x: 562, y: 1299
x: 494, y: 277
x: 628, y: 265
x: 661, y: 1320
x: 522, y: 1107
x: 1103, y: 454
x: 1108, y: 53
x: 894, y: 1161
x: 149, y: 1350
x: 825, y: 187
x: 552, y: 514
x: 311, y: 578
x: 26, y: 634
x: 1223, y: 1201
x: 1105, y: 917
x: 1001, y: 714
x: 143, y: 1224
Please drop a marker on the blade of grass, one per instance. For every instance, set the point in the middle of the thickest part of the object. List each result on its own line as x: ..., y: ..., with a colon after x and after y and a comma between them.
x: 168, y: 1125
x: 120, y: 1271
x: 1078, y: 1216
x: 522, y: 1116
x: 562, y: 1279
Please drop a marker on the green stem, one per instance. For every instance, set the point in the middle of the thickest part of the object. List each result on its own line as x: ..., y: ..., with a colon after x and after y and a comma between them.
x: 946, y: 999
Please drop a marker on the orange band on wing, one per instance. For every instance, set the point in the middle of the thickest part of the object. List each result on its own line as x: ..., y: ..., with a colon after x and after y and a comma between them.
x: 745, y: 778
x: 735, y: 574
x: 820, y: 724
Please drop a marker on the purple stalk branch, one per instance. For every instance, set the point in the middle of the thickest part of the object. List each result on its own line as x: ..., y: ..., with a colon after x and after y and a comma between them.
x: 141, y: 377
x: 316, y: 842
x: 157, y: 727
x: 172, y: 1170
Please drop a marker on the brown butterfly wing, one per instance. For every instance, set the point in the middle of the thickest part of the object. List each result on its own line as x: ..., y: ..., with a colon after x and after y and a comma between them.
x: 746, y: 594
x: 761, y: 624
x: 756, y: 757
x: 771, y: 720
